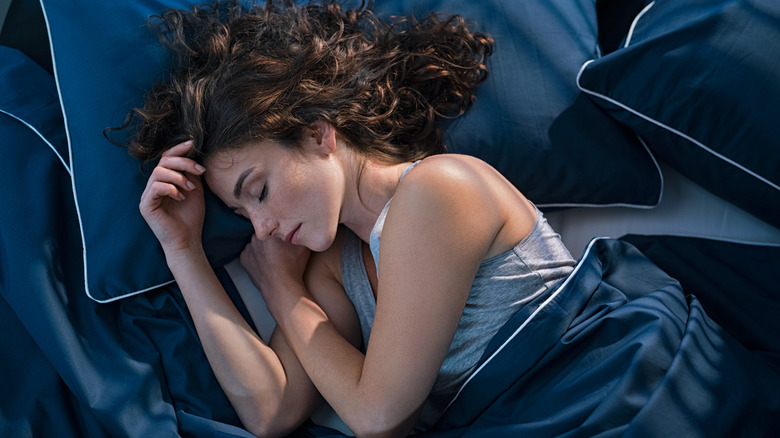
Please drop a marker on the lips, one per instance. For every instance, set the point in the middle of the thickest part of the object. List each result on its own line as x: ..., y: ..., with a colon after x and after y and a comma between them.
x: 292, y: 235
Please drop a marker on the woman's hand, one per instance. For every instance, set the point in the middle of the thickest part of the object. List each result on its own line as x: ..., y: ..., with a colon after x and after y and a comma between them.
x: 274, y: 265
x: 172, y: 202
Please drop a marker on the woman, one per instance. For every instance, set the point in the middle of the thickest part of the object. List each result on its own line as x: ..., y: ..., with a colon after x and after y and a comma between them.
x: 309, y: 121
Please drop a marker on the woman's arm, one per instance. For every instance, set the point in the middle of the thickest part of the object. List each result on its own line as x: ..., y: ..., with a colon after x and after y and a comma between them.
x: 266, y: 385
x: 322, y: 274
x: 441, y: 225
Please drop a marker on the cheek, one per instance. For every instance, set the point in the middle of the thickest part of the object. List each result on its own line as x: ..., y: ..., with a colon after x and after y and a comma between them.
x: 322, y: 208
x: 324, y: 200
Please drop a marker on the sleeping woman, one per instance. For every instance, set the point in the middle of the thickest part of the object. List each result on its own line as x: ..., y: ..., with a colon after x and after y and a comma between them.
x: 387, y: 264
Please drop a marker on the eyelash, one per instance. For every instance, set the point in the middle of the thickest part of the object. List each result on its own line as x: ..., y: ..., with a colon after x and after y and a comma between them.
x: 263, y: 194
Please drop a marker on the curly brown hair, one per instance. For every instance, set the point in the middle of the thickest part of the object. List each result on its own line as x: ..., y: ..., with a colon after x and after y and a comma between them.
x: 245, y: 74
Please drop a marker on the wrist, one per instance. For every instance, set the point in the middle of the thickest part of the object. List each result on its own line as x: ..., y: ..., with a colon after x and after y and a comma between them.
x: 281, y: 294
x: 184, y: 254
x: 279, y: 281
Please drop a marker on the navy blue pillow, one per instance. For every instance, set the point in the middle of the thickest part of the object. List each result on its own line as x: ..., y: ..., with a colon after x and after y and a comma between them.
x: 105, y: 60
x: 614, y: 20
x: 530, y: 122
x: 699, y: 80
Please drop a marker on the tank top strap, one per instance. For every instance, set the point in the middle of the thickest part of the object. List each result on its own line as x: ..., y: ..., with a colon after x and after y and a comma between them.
x: 376, y: 232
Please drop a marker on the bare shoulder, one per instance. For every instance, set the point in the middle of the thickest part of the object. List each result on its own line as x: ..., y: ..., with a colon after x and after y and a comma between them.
x: 453, y: 169
x: 463, y: 181
x: 464, y: 189
x: 463, y: 172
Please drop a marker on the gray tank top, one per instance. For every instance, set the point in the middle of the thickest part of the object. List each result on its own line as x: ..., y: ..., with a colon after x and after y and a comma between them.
x: 503, y: 284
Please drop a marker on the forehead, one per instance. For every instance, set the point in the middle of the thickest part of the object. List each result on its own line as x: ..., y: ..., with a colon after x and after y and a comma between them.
x: 258, y: 152
x: 227, y: 161
x: 223, y: 169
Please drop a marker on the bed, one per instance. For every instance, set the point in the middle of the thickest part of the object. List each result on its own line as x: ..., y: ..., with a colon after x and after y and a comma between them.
x: 645, y: 131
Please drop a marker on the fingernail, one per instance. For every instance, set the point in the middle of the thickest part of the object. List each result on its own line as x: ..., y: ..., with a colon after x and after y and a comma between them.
x: 190, y: 185
x: 200, y: 168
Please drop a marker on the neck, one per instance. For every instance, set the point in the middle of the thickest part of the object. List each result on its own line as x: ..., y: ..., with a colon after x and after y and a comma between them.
x: 367, y: 192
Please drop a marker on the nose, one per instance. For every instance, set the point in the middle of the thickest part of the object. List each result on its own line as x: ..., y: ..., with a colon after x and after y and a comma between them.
x: 264, y: 226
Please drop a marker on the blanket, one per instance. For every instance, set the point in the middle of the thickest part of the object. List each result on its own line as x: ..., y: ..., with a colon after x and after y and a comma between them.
x: 619, y: 348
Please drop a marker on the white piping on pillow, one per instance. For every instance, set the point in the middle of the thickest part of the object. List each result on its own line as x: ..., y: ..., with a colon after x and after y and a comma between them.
x: 619, y: 204
x: 636, y: 19
x: 73, y: 181
x: 672, y: 130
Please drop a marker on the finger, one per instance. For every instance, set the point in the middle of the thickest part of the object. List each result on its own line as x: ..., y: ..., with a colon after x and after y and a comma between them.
x: 170, y: 176
x: 249, y: 248
x: 182, y: 164
x: 159, y: 190
x: 245, y: 258
x: 179, y: 150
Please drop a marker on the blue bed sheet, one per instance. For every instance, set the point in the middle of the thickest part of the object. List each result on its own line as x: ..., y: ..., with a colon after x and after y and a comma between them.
x: 618, y: 349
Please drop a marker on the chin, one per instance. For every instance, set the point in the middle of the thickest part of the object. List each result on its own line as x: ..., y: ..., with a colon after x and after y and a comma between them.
x: 318, y: 247
x: 321, y: 244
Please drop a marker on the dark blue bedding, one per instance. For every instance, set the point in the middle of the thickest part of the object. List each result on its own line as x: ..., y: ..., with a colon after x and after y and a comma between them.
x: 620, y: 348
x: 70, y: 366
x: 719, y: 273
x: 617, y: 349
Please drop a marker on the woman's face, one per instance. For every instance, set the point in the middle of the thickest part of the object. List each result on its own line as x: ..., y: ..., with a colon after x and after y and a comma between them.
x: 290, y: 194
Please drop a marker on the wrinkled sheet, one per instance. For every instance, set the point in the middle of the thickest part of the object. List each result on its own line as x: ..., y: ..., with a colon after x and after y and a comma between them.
x: 618, y: 349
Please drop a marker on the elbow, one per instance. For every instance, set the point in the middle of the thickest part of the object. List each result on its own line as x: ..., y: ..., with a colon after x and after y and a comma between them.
x: 277, y: 423
x: 261, y: 429
x: 381, y: 425
x: 265, y: 413
x: 373, y: 432
x: 378, y: 431
x: 271, y: 429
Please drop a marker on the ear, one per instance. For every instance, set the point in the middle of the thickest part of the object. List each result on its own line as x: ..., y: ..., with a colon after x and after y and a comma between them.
x: 323, y: 137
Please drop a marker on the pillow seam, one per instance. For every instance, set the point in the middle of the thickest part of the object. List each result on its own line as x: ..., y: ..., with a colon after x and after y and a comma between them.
x: 73, y: 184
x: 670, y: 129
x: 41, y: 136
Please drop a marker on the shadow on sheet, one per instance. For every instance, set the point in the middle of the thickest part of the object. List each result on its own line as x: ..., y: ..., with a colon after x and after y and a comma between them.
x: 615, y: 349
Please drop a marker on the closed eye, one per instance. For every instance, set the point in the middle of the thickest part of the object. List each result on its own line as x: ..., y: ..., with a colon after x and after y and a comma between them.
x: 263, y: 194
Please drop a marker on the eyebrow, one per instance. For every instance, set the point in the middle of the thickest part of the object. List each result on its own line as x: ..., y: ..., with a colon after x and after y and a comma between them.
x: 240, y: 182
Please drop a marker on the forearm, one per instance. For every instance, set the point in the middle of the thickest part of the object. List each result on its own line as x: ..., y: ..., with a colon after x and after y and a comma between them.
x: 249, y: 371
x: 336, y: 367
